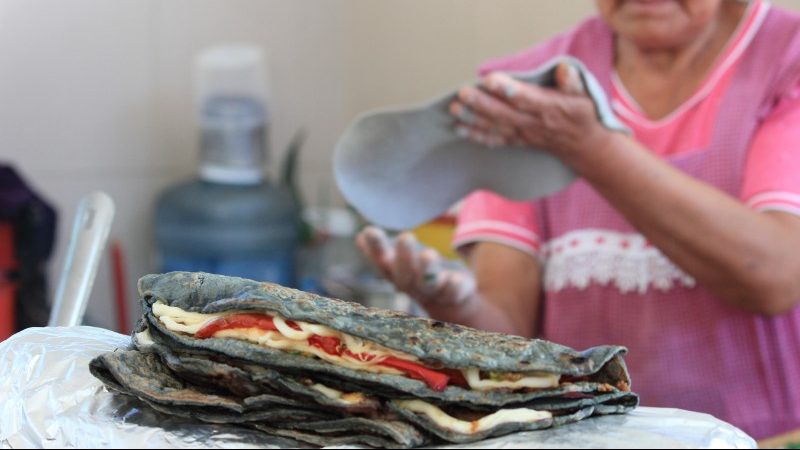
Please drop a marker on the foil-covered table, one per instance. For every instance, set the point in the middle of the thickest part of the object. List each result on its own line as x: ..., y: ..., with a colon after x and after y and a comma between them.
x: 48, y: 399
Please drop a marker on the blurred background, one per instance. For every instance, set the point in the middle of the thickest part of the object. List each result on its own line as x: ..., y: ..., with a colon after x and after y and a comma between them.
x: 99, y: 95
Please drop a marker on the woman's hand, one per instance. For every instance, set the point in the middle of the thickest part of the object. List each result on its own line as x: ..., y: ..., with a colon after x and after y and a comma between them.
x: 505, y: 111
x: 501, y: 293
x: 415, y: 271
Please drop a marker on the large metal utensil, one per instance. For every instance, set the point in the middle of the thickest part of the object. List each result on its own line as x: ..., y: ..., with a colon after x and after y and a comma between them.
x: 86, y: 244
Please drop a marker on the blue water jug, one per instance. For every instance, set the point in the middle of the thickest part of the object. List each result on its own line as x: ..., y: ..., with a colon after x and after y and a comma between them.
x: 231, y: 220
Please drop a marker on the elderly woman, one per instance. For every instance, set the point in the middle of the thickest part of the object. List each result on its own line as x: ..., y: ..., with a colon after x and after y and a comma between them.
x: 680, y: 241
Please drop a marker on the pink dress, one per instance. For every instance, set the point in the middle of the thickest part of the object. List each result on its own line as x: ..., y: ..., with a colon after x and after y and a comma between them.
x: 605, y: 284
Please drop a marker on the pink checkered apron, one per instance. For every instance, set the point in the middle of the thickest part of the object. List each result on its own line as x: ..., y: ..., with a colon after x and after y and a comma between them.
x: 604, y: 284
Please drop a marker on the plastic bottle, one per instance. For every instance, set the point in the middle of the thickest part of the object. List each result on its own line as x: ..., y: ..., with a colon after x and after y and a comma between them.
x: 331, y: 264
x: 232, y: 220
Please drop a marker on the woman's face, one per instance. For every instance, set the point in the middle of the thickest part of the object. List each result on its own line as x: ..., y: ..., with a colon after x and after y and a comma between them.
x: 659, y: 24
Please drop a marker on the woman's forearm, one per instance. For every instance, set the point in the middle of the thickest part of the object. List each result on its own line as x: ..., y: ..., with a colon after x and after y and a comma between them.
x: 747, y: 258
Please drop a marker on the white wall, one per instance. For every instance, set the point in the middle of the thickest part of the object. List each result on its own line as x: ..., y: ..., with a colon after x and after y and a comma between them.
x: 96, y: 94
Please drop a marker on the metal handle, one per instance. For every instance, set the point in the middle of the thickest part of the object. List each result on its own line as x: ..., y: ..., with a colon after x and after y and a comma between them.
x: 86, y: 244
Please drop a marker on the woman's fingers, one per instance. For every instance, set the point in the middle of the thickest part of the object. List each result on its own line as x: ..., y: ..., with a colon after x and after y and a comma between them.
x: 429, y: 279
x: 498, y: 111
x: 470, y: 119
x: 457, y: 288
x: 526, y: 100
x: 406, y: 263
x: 463, y: 113
x: 505, y: 111
x: 481, y: 136
x: 478, y: 128
x: 375, y: 245
x: 568, y: 79
x: 420, y: 274
x: 520, y: 106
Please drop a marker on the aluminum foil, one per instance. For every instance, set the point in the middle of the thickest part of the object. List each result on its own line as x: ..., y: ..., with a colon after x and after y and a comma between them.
x: 48, y: 399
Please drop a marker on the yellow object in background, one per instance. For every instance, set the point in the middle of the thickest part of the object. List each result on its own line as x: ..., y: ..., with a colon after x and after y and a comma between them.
x: 438, y: 234
x: 787, y: 440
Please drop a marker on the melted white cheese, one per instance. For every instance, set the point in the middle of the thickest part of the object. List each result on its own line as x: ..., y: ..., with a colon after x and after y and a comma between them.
x: 290, y: 332
x: 351, y: 399
x: 537, y: 381
x: 444, y: 420
x: 178, y: 320
x: 275, y: 340
x: 143, y: 339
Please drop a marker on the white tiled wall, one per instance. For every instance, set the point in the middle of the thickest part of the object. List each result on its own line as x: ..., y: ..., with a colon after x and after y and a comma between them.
x: 96, y: 94
x: 77, y: 113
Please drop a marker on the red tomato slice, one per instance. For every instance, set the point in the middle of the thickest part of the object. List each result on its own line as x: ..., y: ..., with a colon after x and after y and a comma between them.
x: 456, y: 377
x: 330, y: 345
x: 435, y: 380
x: 333, y: 346
x: 261, y: 321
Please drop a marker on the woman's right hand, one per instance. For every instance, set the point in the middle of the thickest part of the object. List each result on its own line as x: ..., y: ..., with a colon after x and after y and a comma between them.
x: 418, y: 271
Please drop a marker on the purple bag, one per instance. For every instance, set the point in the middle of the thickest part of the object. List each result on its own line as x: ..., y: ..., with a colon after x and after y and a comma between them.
x: 33, y: 222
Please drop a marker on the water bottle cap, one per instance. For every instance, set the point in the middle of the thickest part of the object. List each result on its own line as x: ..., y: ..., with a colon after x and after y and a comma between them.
x: 231, y: 70
x: 232, y: 113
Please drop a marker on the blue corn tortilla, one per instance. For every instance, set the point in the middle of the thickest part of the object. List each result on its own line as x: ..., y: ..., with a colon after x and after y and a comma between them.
x: 436, y: 343
x: 221, y: 380
x: 229, y: 374
x: 142, y: 374
x: 265, y: 387
x: 396, y: 386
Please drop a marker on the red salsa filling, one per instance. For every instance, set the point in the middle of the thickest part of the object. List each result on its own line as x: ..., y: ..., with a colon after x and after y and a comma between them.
x: 436, y: 380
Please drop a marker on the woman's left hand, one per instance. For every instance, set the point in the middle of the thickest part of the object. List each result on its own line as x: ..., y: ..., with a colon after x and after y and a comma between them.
x: 506, y: 111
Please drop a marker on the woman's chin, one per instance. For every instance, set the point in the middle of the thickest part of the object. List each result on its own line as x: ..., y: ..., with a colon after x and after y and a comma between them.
x: 650, y: 38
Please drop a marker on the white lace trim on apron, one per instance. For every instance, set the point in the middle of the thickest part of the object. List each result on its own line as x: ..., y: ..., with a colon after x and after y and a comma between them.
x: 624, y: 260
